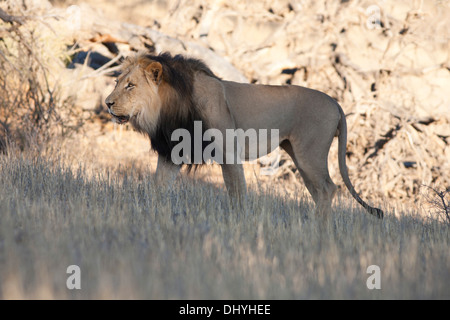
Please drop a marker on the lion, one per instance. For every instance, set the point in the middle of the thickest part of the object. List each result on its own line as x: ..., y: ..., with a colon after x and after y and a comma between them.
x: 160, y: 93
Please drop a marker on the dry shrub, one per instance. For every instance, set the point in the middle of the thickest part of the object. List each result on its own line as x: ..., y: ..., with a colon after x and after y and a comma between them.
x: 32, y: 111
x: 439, y: 203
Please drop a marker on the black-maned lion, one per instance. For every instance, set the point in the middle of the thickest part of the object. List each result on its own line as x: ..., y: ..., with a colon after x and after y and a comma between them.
x: 161, y: 93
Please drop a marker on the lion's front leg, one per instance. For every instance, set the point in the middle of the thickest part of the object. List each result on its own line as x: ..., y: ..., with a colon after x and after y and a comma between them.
x: 166, y: 172
x: 233, y: 175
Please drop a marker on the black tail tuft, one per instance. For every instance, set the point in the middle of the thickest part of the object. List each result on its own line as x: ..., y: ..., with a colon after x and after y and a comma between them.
x: 376, y: 212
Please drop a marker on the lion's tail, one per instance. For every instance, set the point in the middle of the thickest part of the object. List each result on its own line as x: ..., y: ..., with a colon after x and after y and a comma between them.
x: 342, y: 149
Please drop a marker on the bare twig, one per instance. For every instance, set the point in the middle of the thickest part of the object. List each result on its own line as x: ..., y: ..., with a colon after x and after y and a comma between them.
x: 441, y: 204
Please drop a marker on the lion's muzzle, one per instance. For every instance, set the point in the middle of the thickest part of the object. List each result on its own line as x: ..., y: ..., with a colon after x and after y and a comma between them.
x: 119, y: 119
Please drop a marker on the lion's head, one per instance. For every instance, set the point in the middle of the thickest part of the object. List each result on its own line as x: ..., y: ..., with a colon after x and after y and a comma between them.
x: 135, y: 97
x: 156, y: 94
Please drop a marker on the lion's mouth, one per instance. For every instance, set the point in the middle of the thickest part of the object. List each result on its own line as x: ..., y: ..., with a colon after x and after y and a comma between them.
x: 120, y: 119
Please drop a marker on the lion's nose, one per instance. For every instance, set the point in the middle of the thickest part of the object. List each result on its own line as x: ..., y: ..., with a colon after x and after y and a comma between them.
x: 109, y: 104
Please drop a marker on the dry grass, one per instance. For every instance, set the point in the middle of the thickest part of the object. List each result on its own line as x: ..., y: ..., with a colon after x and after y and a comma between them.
x: 134, y: 239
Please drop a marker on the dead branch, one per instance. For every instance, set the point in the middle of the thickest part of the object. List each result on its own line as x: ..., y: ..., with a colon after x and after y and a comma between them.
x: 441, y: 204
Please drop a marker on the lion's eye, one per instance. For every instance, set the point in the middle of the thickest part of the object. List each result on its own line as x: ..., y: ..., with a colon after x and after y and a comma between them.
x: 129, y: 86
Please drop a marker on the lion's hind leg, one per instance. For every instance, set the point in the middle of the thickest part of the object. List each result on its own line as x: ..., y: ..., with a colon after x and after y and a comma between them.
x: 326, y: 190
x: 315, y: 176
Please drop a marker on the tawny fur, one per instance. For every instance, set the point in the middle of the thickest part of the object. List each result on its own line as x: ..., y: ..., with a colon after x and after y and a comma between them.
x: 161, y: 93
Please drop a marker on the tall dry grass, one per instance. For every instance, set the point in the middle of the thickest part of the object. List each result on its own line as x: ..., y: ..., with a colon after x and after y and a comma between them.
x: 132, y: 238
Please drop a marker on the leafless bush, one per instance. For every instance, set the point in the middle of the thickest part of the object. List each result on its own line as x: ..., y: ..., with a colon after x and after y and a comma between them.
x: 31, y: 109
x: 439, y: 201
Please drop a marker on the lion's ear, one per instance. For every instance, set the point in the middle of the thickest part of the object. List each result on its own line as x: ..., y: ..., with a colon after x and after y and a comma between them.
x: 154, y: 72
